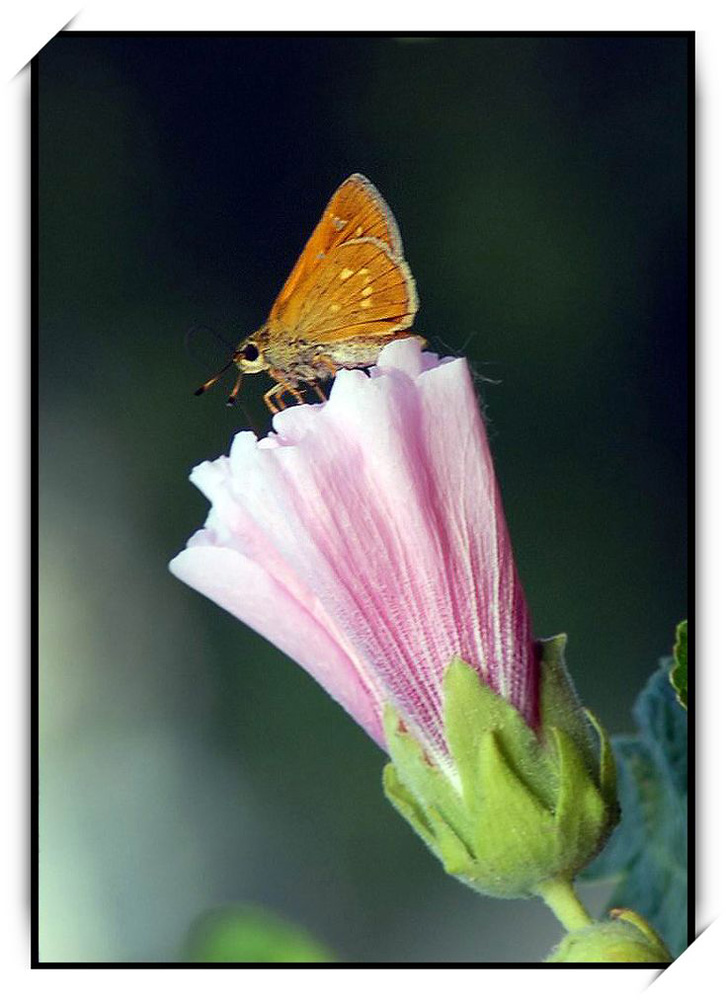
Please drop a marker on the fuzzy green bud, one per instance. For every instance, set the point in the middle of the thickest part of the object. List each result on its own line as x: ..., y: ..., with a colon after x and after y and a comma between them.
x: 626, y: 938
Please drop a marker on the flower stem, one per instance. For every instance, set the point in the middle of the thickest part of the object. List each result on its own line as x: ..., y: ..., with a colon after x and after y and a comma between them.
x: 561, y: 898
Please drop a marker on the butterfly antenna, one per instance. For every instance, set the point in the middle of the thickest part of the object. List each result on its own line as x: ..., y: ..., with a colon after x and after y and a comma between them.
x: 215, y: 378
x: 190, y: 339
x: 233, y: 394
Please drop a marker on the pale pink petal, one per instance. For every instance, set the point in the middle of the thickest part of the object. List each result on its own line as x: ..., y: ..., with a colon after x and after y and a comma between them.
x: 243, y: 588
x: 497, y: 634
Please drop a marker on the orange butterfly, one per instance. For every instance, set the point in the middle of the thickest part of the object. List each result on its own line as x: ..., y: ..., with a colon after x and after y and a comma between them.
x: 350, y: 293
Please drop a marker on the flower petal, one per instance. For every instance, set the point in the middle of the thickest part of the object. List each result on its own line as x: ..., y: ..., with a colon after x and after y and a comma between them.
x: 242, y: 587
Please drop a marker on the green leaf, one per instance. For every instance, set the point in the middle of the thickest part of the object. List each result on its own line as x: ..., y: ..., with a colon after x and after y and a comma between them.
x: 250, y: 934
x: 679, y: 673
x: 647, y: 851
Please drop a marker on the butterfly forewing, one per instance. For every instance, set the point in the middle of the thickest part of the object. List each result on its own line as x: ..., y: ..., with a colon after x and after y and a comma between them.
x: 358, y: 290
x: 356, y: 210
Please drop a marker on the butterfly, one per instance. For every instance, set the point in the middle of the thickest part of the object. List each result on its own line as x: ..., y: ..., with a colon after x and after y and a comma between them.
x: 350, y: 293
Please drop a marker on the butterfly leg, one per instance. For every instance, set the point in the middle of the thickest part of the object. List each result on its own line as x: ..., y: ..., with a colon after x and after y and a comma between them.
x: 318, y: 391
x: 299, y: 398
x: 268, y: 398
x: 282, y: 389
x: 332, y: 367
x: 273, y: 397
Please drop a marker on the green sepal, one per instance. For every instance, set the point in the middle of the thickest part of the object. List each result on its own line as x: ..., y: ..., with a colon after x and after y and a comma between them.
x: 513, y: 830
x: 407, y: 805
x: 472, y: 709
x: 559, y: 705
x: 631, y: 917
x: 607, y: 769
x: 581, y: 815
x: 453, y: 852
x: 512, y: 807
x: 425, y: 784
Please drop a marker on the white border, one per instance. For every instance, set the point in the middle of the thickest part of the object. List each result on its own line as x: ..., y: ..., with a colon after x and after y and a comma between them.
x: 26, y: 30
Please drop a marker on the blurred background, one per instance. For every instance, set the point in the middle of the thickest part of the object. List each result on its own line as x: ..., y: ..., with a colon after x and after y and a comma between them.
x: 540, y: 187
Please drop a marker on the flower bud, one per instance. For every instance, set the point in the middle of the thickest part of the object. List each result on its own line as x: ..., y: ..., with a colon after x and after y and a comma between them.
x: 627, y: 938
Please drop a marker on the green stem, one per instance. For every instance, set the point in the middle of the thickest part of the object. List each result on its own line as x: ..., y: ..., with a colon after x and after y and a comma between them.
x: 562, y: 900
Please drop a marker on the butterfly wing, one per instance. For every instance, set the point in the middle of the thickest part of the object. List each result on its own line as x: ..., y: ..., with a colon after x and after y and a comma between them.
x: 359, y: 290
x: 356, y: 210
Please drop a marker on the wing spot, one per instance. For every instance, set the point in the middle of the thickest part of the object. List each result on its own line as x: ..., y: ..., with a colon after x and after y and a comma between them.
x: 338, y: 223
x: 363, y: 271
x: 334, y: 307
x: 366, y: 292
x: 359, y: 230
x: 345, y: 274
x: 366, y: 304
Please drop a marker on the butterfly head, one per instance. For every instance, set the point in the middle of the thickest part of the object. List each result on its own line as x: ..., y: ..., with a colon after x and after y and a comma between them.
x: 249, y: 356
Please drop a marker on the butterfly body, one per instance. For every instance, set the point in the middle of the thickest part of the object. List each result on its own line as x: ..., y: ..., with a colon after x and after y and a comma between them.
x: 299, y: 361
x: 350, y: 293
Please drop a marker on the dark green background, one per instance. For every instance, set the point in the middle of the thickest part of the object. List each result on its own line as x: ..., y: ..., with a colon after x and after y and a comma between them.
x: 540, y: 185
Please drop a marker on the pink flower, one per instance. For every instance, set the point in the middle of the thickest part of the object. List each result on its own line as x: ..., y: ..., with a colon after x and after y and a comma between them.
x: 365, y: 538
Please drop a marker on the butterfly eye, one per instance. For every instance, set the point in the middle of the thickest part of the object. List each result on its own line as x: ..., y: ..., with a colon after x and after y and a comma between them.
x: 250, y: 352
